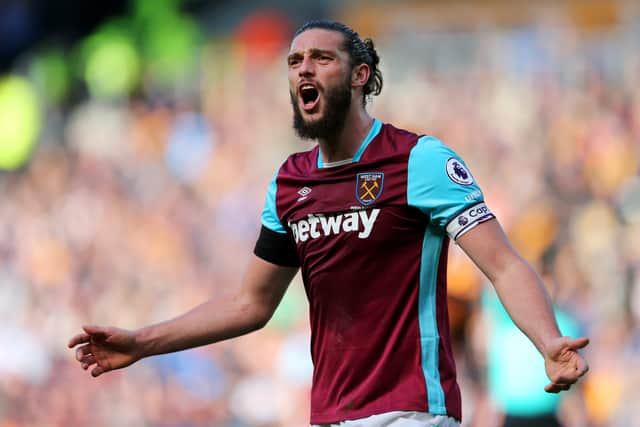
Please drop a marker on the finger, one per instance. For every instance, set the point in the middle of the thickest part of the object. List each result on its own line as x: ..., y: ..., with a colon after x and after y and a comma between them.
x: 565, y: 380
x: 88, y: 358
x: 87, y: 362
x: 78, y: 339
x: 556, y: 387
x: 578, y: 343
x: 81, y: 352
x: 96, y: 332
x: 581, y: 367
x: 97, y: 371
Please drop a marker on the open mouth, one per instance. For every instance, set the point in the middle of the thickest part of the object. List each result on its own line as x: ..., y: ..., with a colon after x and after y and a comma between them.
x: 309, y: 95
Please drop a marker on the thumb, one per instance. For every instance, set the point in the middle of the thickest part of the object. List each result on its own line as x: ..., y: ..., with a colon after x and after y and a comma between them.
x: 578, y: 343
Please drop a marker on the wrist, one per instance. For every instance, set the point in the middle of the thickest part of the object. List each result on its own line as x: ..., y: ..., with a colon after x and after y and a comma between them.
x: 548, y: 344
x: 144, y: 342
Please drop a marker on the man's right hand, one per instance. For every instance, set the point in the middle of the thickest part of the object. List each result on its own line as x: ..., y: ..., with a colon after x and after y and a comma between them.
x: 246, y: 308
x: 107, y: 348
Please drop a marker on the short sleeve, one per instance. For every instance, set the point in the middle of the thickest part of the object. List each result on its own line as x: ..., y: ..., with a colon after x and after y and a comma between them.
x: 270, y: 218
x: 442, y: 187
x: 274, y: 244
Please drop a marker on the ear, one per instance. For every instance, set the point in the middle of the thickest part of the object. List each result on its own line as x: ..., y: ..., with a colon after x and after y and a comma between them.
x: 360, y: 75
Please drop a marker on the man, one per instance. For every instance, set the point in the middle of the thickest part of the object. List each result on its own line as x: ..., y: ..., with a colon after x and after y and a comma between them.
x: 367, y: 216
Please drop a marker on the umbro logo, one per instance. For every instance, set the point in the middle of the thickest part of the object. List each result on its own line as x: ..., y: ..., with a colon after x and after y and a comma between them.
x: 304, y: 193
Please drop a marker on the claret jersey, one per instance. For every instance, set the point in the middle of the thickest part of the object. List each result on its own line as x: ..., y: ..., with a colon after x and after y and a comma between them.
x: 371, y: 237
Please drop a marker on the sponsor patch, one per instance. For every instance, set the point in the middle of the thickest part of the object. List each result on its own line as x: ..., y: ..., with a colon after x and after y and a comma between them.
x: 369, y: 187
x: 458, y: 173
x: 320, y: 225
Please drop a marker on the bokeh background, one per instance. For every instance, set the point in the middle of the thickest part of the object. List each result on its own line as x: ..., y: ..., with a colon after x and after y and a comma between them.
x: 137, y: 139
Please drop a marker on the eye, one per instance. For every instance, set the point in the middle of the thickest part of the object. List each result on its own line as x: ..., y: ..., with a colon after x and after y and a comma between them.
x: 293, y: 62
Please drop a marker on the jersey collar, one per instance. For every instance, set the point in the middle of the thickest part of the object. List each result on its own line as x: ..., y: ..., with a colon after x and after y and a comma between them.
x: 373, y: 132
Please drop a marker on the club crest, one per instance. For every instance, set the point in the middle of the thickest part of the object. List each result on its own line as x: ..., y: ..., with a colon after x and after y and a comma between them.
x: 369, y: 187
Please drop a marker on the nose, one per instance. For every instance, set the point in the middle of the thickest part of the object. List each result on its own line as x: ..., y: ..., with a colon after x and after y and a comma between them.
x: 306, y: 67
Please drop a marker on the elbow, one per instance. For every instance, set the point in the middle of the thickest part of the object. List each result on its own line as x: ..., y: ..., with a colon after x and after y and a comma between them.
x: 258, y: 321
x: 256, y: 309
x: 259, y: 316
x: 261, y: 323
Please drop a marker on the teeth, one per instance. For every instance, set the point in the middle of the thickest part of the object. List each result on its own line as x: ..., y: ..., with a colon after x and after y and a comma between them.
x: 305, y: 87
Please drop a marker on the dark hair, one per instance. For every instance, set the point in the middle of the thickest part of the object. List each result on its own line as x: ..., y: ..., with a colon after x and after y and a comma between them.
x: 360, y: 52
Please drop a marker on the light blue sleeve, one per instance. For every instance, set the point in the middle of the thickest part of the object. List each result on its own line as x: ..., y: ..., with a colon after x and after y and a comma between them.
x: 270, y: 217
x: 440, y: 185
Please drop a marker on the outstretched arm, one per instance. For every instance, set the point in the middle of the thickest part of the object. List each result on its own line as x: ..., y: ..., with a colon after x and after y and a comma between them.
x: 524, y: 296
x: 243, y: 310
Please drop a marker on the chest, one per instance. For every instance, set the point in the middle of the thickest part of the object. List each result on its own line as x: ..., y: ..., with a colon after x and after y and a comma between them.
x: 350, y: 196
x: 356, y: 207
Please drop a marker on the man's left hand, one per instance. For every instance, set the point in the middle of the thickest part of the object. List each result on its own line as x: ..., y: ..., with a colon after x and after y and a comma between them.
x: 563, y: 363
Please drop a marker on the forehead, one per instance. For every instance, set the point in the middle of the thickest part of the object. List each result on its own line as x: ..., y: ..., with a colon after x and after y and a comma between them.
x: 317, y: 38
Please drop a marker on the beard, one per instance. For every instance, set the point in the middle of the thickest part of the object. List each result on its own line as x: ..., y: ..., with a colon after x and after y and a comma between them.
x: 331, y: 122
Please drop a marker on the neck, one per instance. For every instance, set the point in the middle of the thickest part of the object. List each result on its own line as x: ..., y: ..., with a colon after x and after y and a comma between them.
x: 345, y: 144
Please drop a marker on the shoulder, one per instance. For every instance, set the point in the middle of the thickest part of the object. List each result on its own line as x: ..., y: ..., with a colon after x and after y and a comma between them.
x: 403, y: 138
x: 428, y: 145
x: 418, y: 145
x: 391, y: 142
x: 397, y: 132
x: 430, y: 151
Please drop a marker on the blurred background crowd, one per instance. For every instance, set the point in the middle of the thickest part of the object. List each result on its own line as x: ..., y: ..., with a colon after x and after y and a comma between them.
x: 137, y: 140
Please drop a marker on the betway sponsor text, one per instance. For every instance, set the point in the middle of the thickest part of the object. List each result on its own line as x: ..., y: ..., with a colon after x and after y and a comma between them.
x: 317, y: 225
